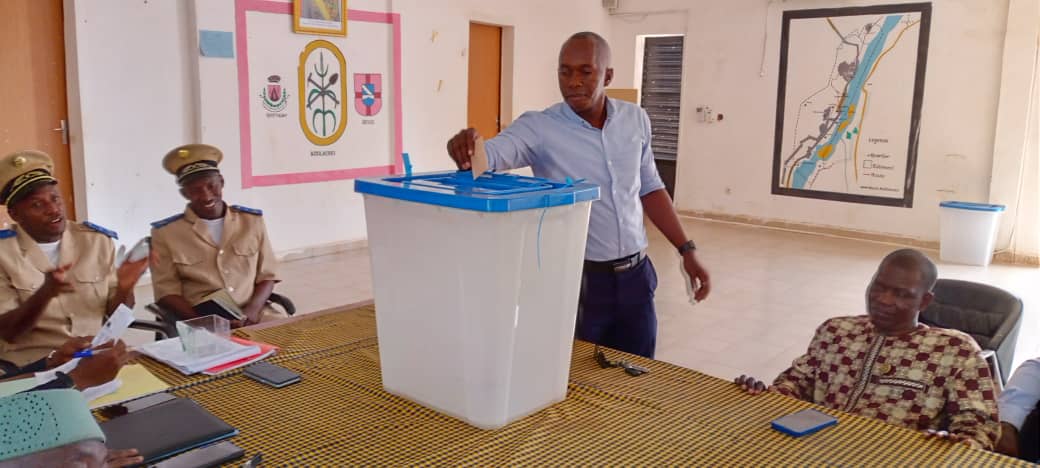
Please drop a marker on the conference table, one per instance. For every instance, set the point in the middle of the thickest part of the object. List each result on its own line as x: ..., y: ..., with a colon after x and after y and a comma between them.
x: 340, y: 415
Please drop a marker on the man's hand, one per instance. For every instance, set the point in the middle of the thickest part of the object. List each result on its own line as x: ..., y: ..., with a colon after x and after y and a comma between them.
x: 129, y: 272
x: 64, y: 353
x: 55, y: 281
x: 945, y: 435
x: 253, y: 315
x: 699, y: 280
x: 1008, y: 442
x: 461, y: 147
x: 121, y: 458
x: 100, y: 368
x: 750, y: 385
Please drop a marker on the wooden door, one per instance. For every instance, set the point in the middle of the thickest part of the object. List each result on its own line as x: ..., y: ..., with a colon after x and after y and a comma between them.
x: 485, y: 79
x: 33, y: 86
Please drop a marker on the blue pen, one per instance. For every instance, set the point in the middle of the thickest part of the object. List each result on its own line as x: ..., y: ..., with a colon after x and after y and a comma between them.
x: 83, y: 354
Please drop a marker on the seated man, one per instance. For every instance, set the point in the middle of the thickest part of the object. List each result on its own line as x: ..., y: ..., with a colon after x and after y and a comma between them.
x: 58, y: 279
x: 211, y: 246
x: 1020, y: 398
x: 71, y: 436
x: 886, y: 365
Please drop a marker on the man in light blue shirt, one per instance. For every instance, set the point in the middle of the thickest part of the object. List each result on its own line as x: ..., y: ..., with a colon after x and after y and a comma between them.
x: 606, y: 142
x: 1019, y: 399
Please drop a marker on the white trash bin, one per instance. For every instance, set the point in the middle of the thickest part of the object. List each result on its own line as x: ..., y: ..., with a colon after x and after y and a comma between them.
x: 968, y: 232
x: 476, y: 287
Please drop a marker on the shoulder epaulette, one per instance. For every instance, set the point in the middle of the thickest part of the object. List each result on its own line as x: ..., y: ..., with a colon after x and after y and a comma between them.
x: 246, y: 209
x: 164, y: 222
x: 105, y: 231
x: 7, y: 233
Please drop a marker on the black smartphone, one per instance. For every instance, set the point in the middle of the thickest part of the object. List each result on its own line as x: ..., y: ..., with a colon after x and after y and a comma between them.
x: 270, y: 374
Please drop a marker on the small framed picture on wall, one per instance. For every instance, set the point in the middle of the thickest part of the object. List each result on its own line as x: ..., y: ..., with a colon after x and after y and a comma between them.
x: 328, y: 17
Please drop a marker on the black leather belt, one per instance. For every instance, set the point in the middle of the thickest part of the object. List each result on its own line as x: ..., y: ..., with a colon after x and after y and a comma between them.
x: 616, y: 266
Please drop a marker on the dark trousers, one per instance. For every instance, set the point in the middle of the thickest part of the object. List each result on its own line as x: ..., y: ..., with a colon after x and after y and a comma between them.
x: 617, y: 309
x: 8, y: 369
x: 1029, y: 437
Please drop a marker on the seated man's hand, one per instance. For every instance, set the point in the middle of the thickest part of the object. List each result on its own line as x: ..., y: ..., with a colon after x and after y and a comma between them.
x: 129, y: 272
x: 57, y: 281
x: 750, y: 384
x: 1008, y: 442
x: 100, y: 368
x: 946, y: 435
x: 65, y: 353
x: 253, y: 315
x: 121, y: 458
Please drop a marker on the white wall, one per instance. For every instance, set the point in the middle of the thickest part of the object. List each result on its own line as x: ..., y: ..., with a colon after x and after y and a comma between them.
x: 128, y: 99
x: 726, y: 167
x: 1015, y: 149
x: 139, y: 95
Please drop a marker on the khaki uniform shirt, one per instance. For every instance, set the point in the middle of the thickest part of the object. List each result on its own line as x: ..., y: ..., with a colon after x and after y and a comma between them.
x: 191, y: 265
x: 79, y: 313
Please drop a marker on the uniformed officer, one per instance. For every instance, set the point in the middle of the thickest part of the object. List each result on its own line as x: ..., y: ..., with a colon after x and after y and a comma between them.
x: 58, y: 278
x: 211, y: 246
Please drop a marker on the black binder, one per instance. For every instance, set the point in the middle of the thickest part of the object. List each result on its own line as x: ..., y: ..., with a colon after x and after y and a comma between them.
x: 165, y: 429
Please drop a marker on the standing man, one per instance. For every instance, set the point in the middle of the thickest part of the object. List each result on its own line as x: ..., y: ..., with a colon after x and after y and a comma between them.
x: 211, y: 246
x: 607, y: 142
x: 58, y: 279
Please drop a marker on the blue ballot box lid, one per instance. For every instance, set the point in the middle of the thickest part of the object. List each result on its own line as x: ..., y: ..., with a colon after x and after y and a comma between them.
x: 491, y: 192
x: 960, y: 205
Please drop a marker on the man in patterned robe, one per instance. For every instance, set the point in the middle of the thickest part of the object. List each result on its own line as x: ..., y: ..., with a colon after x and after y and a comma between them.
x: 886, y: 365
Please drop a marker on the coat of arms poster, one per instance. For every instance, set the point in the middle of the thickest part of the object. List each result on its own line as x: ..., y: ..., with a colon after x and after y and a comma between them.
x: 316, y: 108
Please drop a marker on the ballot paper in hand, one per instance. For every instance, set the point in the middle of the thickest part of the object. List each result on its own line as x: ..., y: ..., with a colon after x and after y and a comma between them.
x: 688, y: 281
x: 115, y: 327
x: 479, y: 161
x: 91, y: 393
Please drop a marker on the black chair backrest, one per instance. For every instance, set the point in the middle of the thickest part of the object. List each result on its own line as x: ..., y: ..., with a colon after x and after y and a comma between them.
x: 989, y: 314
x: 974, y: 308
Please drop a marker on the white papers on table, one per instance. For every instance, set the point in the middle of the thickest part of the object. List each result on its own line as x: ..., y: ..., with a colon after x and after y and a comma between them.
x: 172, y: 353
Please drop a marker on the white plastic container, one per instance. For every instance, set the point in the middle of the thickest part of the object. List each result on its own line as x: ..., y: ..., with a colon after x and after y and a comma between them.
x: 476, y: 286
x: 968, y: 232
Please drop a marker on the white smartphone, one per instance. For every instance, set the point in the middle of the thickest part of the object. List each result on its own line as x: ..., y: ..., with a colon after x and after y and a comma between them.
x: 140, y: 250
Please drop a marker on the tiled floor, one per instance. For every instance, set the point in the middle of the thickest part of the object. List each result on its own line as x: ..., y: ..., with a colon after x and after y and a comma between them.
x: 771, y: 289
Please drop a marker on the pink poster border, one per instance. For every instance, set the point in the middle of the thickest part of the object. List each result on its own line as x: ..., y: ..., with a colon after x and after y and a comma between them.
x: 245, y: 130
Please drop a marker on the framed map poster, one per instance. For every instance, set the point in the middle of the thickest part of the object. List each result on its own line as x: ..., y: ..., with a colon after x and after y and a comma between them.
x: 851, y: 82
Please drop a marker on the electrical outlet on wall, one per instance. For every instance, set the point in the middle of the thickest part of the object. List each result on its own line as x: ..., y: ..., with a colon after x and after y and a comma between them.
x: 705, y: 114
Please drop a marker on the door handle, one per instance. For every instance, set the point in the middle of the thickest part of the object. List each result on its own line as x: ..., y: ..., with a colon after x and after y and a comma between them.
x: 64, y: 129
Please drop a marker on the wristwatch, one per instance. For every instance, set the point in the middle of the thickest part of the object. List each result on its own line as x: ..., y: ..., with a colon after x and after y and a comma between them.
x: 689, y: 246
x: 64, y: 380
x: 47, y: 360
